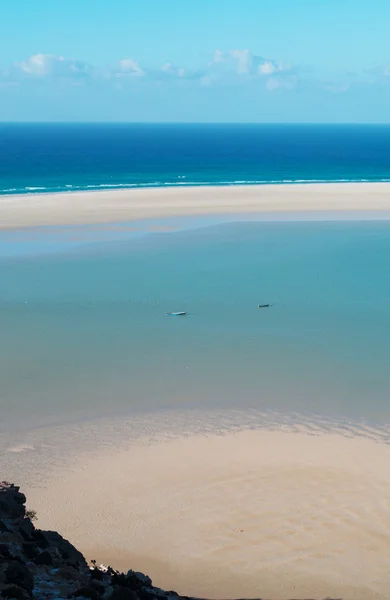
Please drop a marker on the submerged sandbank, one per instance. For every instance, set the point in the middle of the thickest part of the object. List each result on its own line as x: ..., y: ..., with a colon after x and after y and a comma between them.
x: 132, y: 204
x: 255, y: 513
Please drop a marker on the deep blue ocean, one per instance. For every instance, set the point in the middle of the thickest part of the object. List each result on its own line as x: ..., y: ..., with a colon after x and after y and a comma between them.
x: 65, y: 157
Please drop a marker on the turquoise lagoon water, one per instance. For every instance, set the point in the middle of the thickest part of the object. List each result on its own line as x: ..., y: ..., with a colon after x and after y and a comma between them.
x: 84, y: 333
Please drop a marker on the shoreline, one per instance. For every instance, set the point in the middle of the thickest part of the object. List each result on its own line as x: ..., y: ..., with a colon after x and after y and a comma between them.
x: 75, y: 188
x: 126, y: 205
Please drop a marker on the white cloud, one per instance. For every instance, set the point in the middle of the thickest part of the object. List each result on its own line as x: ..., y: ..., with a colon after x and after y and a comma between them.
x: 243, y: 63
x: 170, y: 69
x: 230, y: 68
x: 129, y: 67
x: 39, y: 64
x: 45, y: 65
x: 233, y: 67
x: 287, y: 81
x: 237, y: 61
x: 218, y: 57
x: 267, y: 68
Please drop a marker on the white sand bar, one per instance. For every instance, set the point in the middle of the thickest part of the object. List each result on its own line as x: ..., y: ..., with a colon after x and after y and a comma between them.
x: 132, y: 204
x: 268, y: 514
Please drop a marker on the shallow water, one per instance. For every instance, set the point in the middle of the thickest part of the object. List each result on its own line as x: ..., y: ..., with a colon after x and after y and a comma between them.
x: 84, y: 333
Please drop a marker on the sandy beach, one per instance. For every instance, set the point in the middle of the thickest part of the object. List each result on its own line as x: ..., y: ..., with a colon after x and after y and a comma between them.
x: 132, y: 204
x: 272, y: 514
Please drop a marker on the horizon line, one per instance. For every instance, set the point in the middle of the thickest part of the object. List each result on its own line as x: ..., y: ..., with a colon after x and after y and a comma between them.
x: 104, y: 122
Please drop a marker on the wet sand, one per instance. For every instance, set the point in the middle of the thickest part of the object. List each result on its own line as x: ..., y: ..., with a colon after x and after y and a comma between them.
x: 272, y: 514
x: 132, y: 204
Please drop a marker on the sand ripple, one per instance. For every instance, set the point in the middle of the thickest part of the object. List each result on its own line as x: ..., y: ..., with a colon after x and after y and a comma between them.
x: 221, y: 507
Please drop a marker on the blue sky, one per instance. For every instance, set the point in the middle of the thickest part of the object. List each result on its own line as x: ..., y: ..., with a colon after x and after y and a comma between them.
x: 195, y: 60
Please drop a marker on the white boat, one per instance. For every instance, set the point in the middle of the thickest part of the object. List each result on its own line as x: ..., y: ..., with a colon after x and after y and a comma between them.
x: 176, y: 314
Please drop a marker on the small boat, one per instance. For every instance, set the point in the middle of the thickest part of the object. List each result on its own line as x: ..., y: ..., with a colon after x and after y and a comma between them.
x: 176, y: 314
x: 264, y: 305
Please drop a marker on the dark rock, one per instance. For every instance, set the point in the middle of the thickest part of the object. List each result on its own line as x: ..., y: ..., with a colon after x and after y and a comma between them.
x: 154, y: 593
x: 144, y: 579
x: 44, y: 558
x: 16, y: 572
x: 15, y: 592
x: 68, y: 552
x: 138, y: 580
x: 98, y: 587
x: 87, y: 592
x: 25, y: 536
x: 29, y: 550
x: 11, y: 502
x: 97, y: 574
x: 122, y: 593
x: 3, y: 527
x: 121, y: 580
x: 39, y: 538
x: 26, y: 529
x: 4, y: 552
x: 12, y: 538
x: 147, y: 594
x: 71, y: 574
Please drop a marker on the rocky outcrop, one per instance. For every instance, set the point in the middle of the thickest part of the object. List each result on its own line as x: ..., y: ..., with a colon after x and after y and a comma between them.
x: 42, y: 565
